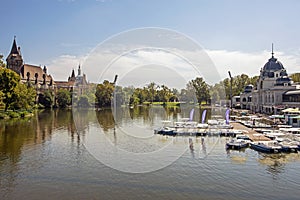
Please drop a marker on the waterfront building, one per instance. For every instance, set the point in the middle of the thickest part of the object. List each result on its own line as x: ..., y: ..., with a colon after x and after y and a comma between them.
x: 236, y: 102
x: 37, y: 76
x: 292, y: 116
x: 274, y: 92
x: 33, y: 75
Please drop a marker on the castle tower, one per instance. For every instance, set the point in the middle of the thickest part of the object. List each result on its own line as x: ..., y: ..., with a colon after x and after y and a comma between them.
x: 14, y: 60
x: 79, y: 71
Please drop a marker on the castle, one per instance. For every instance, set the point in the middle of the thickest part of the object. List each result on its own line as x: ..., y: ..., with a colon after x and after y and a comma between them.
x: 38, y: 77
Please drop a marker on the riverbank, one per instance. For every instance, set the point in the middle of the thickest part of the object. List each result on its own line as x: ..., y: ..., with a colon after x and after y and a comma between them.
x: 15, y: 114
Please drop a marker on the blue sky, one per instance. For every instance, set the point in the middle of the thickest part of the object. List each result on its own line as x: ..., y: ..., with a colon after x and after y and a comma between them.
x: 46, y: 30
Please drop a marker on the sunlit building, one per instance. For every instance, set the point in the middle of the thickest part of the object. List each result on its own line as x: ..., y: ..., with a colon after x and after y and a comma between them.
x: 275, y: 90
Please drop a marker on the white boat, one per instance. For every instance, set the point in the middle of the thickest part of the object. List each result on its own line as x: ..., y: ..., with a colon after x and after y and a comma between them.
x: 274, y: 134
x: 237, y: 144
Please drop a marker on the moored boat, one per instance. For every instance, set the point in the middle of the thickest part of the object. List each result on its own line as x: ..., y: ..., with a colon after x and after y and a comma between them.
x: 237, y: 144
x: 166, y: 131
x: 266, y: 146
x: 289, y: 145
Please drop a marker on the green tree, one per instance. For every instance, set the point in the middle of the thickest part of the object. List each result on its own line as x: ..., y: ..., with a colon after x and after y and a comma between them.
x: 1, y: 99
x: 201, y: 89
x: 218, y: 92
x: 63, y: 98
x: 46, y: 99
x: 296, y: 77
x: 24, y: 97
x: 2, y: 64
x: 83, y: 101
x: 239, y: 83
x: 8, y: 82
x: 104, y: 93
x: 152, y: 91
x: 164, y: 94
x: 91, y: 93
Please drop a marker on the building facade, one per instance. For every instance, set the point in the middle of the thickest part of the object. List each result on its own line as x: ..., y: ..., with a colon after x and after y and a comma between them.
x: 33, y: 75
x: 37, y: 76
x: 274, y: 91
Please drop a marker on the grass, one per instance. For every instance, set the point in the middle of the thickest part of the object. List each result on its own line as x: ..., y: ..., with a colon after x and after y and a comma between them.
x: 162, y: 103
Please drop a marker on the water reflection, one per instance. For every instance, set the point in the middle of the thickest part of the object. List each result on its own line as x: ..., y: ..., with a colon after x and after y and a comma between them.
x: 106, y: 119
x: 49, y: 145
x: 276, y: 162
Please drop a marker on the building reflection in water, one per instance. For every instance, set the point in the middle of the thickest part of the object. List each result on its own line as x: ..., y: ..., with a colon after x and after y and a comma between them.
x: 275, y: 163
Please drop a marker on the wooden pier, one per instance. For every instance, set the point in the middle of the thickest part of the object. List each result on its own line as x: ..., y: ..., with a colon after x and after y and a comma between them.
x: 252, y: 134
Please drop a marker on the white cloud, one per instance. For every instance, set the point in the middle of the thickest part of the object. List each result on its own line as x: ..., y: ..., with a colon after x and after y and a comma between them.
x: 249, y: 63
x: 61, y: 68
x: 135, y: 67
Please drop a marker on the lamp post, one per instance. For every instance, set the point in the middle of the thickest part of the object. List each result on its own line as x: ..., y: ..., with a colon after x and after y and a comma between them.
x: 230, y: 89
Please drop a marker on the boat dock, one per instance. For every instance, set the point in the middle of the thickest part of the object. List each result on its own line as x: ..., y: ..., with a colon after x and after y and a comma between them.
x: 252, y: 134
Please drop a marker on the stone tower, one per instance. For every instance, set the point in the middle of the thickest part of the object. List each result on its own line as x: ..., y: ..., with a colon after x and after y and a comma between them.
x: 14, y: 60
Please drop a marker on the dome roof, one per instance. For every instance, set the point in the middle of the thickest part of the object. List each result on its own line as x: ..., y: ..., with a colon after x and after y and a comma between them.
x: 248, y: 88
x: 273, y: 65
x: 283, y: 80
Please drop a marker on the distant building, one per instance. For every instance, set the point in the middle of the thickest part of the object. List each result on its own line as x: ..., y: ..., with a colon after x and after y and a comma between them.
x: 37, y: 76
x: 30, y: 74
x: 77, y: 84
x: 246, y: 97
x: 275, y: 90
x: 236, y: 102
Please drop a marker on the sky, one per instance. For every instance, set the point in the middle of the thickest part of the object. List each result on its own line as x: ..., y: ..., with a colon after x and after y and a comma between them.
x: 236, y: 35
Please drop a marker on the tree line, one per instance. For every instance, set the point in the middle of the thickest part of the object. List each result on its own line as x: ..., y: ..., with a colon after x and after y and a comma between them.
x: 196, y: 91
x: 14, y: 95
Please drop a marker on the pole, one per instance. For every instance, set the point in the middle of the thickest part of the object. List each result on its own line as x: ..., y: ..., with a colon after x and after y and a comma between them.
x: 230, y: 89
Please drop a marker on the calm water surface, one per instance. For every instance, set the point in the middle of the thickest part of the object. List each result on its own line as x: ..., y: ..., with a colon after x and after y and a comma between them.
x: 44, y: 157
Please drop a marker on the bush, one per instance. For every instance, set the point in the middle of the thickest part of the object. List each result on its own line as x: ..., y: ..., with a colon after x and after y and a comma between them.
x: 3, y: 115
x: 13, y: 115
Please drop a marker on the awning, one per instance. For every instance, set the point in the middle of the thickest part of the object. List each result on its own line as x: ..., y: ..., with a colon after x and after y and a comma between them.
x: 296, y: 117
x: 277, y: 116
x: 291, y: 110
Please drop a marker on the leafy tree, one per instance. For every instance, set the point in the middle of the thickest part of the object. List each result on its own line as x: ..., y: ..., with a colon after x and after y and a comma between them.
x: 296, y: 77
x: 152, y: 91
x: 134, y: 100
x: 46, y: 99
x: 2, y: 64
x: 239, y: 83
x: 201, y: 89
x: 104, y: 93
x: 63, y: 98
x: 253, y: 80
x: 91, y: 93
x: 127, y: 94
x: 1, y: 99
x: 24, y: 97
x: 8, y: 82
x: 83, y: 101
x: 164, y: 94
x: 217, y: 92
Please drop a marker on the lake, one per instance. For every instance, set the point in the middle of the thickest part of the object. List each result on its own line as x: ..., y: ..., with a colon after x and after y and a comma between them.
x: 88, y: 154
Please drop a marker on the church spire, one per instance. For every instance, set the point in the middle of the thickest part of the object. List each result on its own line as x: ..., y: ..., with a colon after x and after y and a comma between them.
x: 14, y: 49
x: 79, y: 70
x: 73, y: 74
